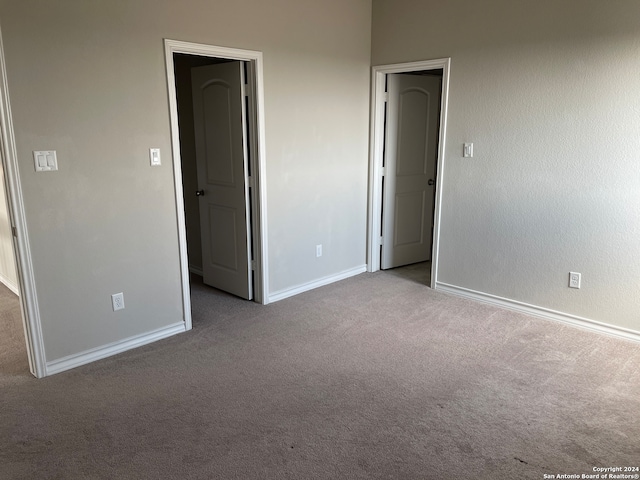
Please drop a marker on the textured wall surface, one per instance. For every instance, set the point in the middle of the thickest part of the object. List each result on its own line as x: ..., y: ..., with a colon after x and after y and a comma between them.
x: 549, y: 93
x: 87, y: 79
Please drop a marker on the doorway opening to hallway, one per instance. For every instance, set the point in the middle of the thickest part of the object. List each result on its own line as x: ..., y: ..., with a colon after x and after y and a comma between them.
x: 408, y: 124
x: 218, y: 148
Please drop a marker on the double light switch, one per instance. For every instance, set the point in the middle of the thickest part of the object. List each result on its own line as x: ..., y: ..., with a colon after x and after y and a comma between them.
x: 45, y: 160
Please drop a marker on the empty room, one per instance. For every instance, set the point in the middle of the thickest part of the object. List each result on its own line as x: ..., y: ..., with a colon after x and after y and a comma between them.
x: 320, y: 239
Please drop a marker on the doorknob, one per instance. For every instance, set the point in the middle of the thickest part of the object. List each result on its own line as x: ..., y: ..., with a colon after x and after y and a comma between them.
x: 431, y: 182
x: 199, y: 193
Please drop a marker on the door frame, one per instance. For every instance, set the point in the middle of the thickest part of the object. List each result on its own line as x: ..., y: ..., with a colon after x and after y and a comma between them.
x: 258, y: 204
x: 376, y: 150
x: 21, y: 247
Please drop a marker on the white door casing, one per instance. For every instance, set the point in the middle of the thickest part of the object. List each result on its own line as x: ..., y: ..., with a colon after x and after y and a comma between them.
x: 378, y: 104
x: 220, y: 122
x: 258, y: 162
x: 411, y: 140
x: 22, y: 250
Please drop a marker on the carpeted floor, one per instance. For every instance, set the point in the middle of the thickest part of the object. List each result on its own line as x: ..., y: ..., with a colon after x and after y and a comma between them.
x: 376, y: 376
x: 13, y: 351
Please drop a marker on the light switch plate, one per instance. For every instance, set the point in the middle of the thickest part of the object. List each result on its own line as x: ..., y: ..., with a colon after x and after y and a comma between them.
x: 45, y: 160
x: 154, y: 157
x: 467, y: 150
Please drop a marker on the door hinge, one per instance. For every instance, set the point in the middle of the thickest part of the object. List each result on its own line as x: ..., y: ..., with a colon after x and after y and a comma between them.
x: 14, y: 231
x: 385, y: 97
x: 382, y: 172
x: 251, y: 182
x: 381, y: 241
x: 245, y: 91
x: 253, y: 265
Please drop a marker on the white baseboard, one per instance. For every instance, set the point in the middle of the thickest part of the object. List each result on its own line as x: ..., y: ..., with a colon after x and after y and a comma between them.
x: 290, y: 292
x: 82, y: 358
x: 541, y: 312
x: 9, y: 284
x: 195, y: 270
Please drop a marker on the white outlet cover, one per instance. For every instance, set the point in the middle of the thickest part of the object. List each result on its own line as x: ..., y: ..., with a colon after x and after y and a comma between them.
x: 117, y: 301
x: 575, y: 279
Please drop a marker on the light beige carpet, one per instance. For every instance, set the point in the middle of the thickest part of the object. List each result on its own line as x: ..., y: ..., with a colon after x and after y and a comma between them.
x: 376, y: 376
x: 13, y: 351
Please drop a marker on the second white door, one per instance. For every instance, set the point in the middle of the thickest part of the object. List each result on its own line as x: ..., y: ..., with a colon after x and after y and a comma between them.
x: 411, y: 149
x: 220, y: 123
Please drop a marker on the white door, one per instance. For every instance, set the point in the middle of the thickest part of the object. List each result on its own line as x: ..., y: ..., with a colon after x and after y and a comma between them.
x: 411, y: 149
x: 221, y: 157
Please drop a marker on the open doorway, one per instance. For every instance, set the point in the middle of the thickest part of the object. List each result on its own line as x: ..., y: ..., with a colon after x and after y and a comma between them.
x: 409, y: 103
x: 14, y: 358
x: 19, y: 239
x: 217, y: 136
x: 412, y: 118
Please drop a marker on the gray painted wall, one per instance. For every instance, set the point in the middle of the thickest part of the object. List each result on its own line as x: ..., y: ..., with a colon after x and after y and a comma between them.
x: 87, y: 79
x: 549, y: 93
x: 8, y: 275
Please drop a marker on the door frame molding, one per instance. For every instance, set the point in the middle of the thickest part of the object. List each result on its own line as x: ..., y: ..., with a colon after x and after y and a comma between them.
x: 376, y: 149
x: 22, y: 251
x: 259, y: 212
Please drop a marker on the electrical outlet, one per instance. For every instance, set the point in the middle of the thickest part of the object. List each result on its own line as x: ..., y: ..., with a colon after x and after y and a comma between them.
x: 574, y: 279
x: 318, y: 250
x: 117, y: 301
